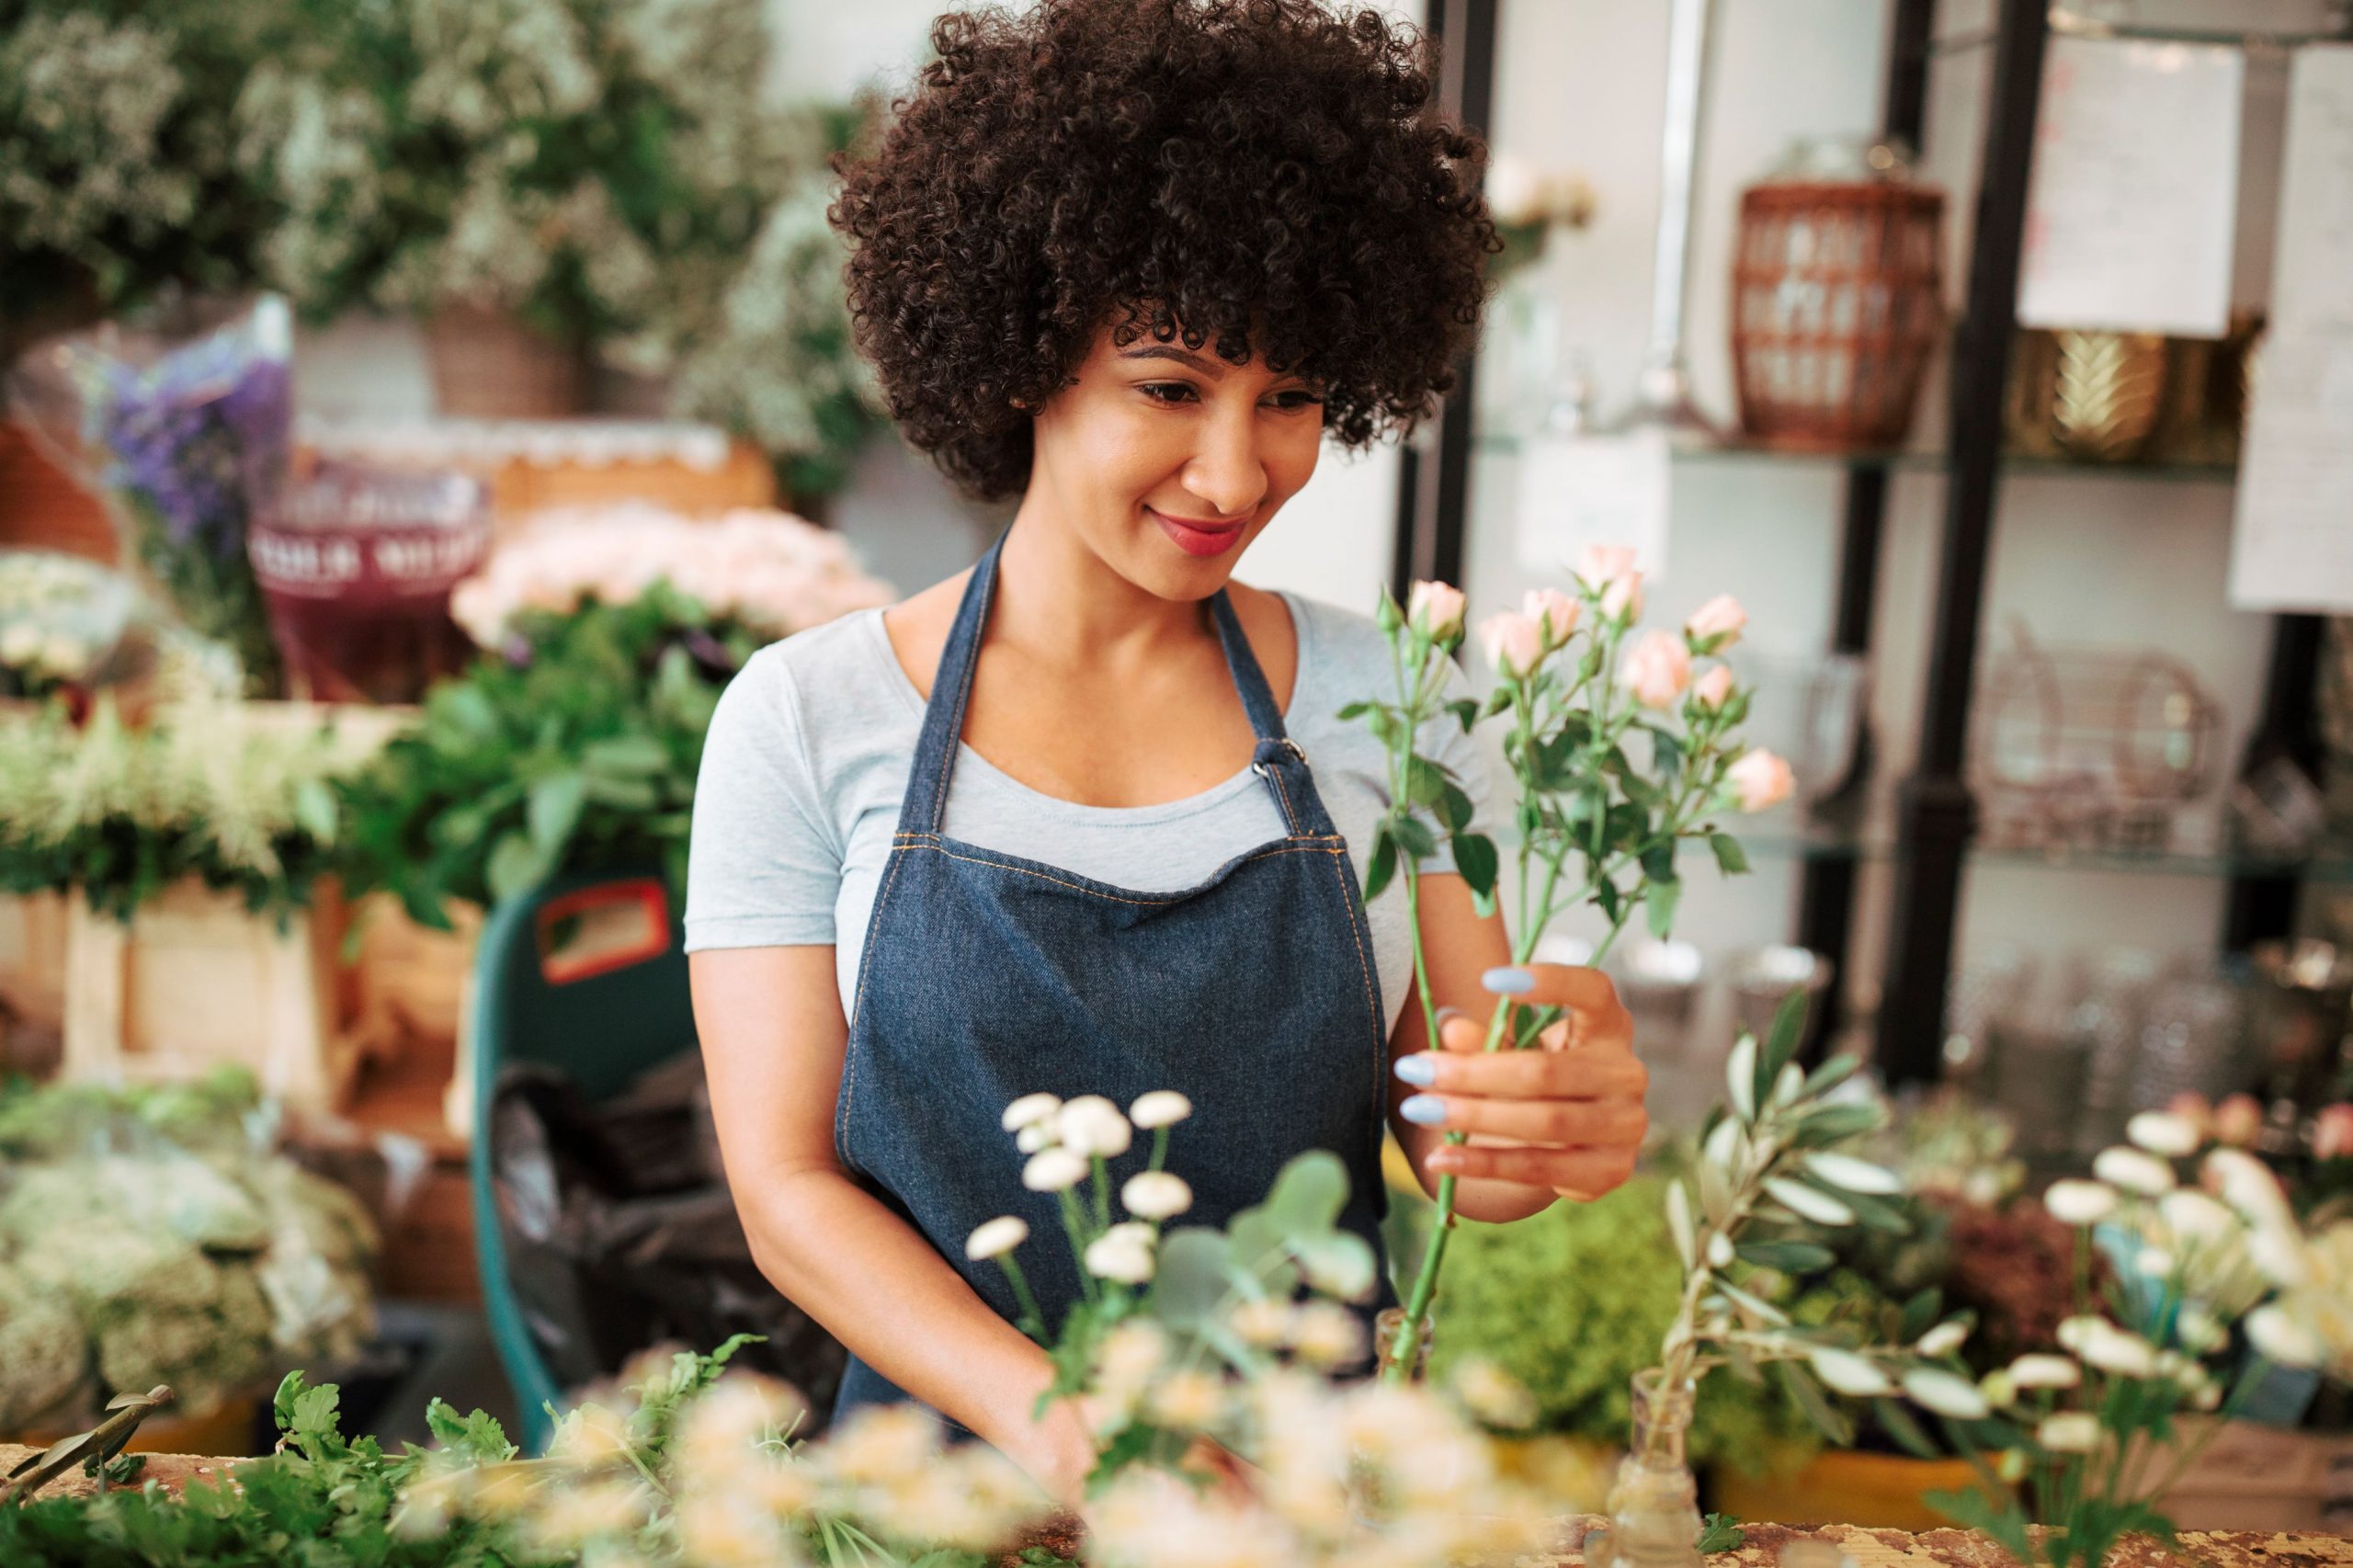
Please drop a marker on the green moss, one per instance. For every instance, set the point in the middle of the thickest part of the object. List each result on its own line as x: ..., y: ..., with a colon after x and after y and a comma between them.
x: 1574, y: 1301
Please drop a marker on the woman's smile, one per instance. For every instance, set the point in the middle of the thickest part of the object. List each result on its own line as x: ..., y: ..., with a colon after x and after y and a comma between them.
x: 1199, y: 537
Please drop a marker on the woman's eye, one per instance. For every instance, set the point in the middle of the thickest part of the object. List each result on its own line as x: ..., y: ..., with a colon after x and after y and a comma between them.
x: 1172, y: 393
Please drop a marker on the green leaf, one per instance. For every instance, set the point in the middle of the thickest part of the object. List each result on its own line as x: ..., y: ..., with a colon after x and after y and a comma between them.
x: 1659, y: 906
x: 1920, y: 1315
x: 314, y: 809
x: 1721, y: 1532
x: 1731, y: 859
x: 1189, y: 1282
x: 1826, y: 1419
x: 1454, y: 807
x: 1781, y: 1042
x: 554, y: 812
x: 1898, y: 1424
x: 1309, y: 1194
x: 516, y: 866
x: 1788, y: 1257
x: 1830, y: 1124
x: 625, y: 756
x: 1354, y: 711
x: 477, y: 1434
x: 1414, y: 837
x: 1383, y: 864
x: 1466, y: 713
x: 1475, y: 857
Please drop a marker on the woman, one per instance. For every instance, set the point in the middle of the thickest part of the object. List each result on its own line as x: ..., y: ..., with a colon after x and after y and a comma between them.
x: 1083, y: 819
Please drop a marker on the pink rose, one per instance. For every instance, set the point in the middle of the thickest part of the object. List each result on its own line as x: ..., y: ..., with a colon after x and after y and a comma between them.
x: 1554, y: 611
x: 1515, y: 643
x: 1622, y: 599
x: 2237, y: 1119
x: 1761, y: 779
x: 1711, y: 689
x: 2333, y: 1133
x: 1602, y: 564
x: 1436, y: 608
x: 1656, y: 669
x: 1717, y: 624
x: 2194, y: 1108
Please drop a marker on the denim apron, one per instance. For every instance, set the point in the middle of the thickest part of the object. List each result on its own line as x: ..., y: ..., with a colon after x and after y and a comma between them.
x: 987, y: 976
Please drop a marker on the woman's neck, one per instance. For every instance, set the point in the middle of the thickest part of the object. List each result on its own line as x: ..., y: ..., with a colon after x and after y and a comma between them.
x: 1063, y: 605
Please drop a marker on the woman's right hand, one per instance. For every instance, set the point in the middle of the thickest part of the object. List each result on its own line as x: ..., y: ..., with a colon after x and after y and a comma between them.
x: 1062, y: 1451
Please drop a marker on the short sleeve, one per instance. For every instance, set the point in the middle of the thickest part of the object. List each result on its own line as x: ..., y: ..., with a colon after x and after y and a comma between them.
x: 1445, y: 742
x: 763, y: 862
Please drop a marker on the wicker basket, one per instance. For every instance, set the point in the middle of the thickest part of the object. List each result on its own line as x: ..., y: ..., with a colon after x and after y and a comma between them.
x: 487, y: 364
x: 1836, y: 306
x: 44, y: 508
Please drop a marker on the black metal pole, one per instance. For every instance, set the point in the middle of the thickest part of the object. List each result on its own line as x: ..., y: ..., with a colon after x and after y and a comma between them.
x: 2263, y: 907
x: 1433, y: 495
x: 1935, y: 813
x: 1826, y: 885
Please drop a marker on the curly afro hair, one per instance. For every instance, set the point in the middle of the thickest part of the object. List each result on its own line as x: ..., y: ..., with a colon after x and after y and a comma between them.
x: 1236, y: 166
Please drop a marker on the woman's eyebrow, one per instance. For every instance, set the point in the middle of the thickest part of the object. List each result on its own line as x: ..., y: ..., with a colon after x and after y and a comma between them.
x: 1207, y: 367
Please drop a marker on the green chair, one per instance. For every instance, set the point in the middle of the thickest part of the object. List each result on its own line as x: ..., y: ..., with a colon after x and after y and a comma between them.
x: 586, y: 974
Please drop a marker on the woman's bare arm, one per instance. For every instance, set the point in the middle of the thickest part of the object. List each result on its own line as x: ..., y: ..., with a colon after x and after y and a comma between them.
x: 773, y: 1037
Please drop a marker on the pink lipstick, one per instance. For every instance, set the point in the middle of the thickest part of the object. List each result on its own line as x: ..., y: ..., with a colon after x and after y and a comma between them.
x: 1201, y: 538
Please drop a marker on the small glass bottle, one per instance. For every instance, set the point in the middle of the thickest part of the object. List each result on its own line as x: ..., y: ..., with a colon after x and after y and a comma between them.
x: 1655, y: 1505
x: 1387, y: 1329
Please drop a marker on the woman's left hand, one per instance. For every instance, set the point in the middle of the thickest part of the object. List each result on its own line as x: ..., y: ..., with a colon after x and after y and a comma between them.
x: 1570, y: 1111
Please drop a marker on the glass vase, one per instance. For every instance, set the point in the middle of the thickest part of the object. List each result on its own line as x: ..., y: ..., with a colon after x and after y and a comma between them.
x: 1654, y: 1504
x: 1388, y: 1328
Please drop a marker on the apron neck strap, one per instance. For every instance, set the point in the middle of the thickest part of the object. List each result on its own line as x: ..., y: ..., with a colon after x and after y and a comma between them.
x: 1277, y: 760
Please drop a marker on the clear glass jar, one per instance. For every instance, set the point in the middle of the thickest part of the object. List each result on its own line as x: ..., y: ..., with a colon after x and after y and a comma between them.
x: 1387, y: 1329
x: 1655, y: 1505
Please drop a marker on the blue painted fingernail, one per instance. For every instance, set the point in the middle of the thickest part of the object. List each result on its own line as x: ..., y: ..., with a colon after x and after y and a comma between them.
x: 1509, y: 979
x: 1417, y: 1069
x: 1424, y: 1111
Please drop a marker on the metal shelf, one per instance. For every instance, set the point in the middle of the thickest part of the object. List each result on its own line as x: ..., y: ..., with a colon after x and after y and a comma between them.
x: 1499, y: 444
x: 2067, y: 23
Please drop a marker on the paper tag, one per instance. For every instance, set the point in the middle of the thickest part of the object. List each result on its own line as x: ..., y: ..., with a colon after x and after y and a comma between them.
x: 1576, y: 490
x: 2292, y: 547
x: 2134, y: 199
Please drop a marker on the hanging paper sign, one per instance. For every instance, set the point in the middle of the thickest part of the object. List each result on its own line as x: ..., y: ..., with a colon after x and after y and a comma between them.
x: 2293, y: 548
x: 2134, y: 199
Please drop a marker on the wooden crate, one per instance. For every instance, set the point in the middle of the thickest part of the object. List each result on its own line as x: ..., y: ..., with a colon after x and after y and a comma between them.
x: 2258, y: 1478
x: 193, y: 980
x: 32, y: 957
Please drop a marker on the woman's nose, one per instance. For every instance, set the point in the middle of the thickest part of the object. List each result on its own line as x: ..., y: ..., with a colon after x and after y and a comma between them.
x: 1228, y: 473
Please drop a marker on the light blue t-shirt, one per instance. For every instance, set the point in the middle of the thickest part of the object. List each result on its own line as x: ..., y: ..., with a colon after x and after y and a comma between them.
x: 808, y: 757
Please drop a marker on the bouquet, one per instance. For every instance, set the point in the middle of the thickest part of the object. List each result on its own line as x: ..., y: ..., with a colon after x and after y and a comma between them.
x: 183, y: 426
x: 1618, y: 755
x: 765, y: 573
x: 148, y: 1237
x: 2214, y: 1284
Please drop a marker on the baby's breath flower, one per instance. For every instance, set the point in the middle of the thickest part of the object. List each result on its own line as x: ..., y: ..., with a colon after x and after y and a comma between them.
x: 2164, y: 1133
x: 2133, y: 1170
x: 997, y: 1236
x: 1327, y: 1334
x: 1093, y: 1125
x: 2045, y: 1371
x: 2071, y: 1432
x: 1054, y: 1170
x: 1263, y: 1323
x: 1159, y: 1108
x: 1030, y: 1110
x: 1188, y: 1401
x: 1121, y: 1258
x: 1157, y: 1195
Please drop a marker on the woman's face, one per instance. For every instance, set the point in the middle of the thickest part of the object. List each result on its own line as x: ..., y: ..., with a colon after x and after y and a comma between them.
x: 1166, y: 461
